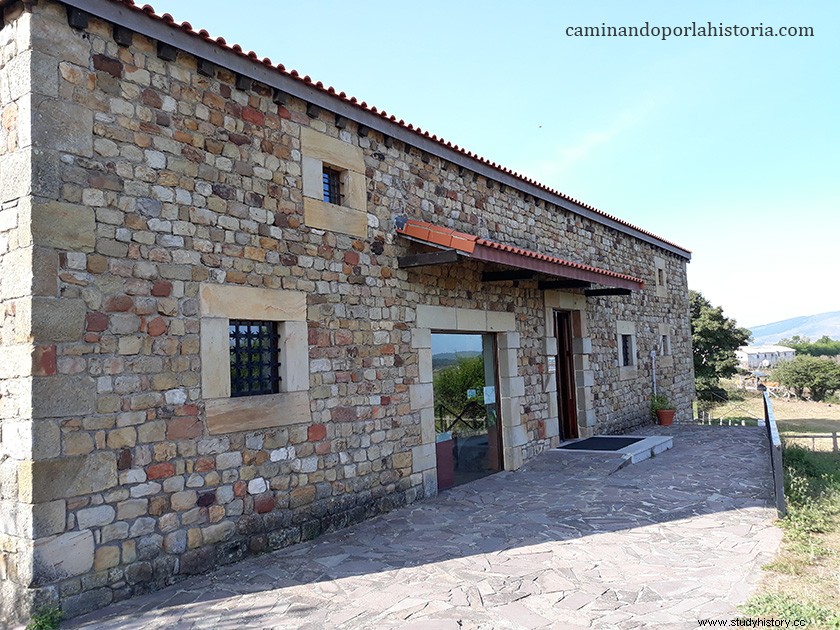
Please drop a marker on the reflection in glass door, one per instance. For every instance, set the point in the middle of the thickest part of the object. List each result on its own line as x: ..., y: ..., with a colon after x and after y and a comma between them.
x: 469, y: 442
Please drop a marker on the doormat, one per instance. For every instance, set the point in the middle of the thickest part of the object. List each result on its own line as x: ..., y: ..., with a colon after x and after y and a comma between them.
x: 602, y: 443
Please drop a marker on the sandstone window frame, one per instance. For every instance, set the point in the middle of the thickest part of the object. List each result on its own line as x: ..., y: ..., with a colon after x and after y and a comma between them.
x: 660, y: 276
x: 320, y: 151
x: 666, y: 348
x: 624, y: 330
x: 219, y: 304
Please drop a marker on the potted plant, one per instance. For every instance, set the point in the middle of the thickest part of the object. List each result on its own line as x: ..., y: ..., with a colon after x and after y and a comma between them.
x: 662, y: 409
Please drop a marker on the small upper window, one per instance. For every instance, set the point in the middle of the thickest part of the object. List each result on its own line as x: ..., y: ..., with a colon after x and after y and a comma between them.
x: 254, y: 358
x: 666, y: 345
x: 660, y: 277
x: 332, y: 185
x: 626, y: 350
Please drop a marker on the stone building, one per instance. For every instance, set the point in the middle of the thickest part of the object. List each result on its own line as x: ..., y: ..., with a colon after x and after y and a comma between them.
x: 168, y: 200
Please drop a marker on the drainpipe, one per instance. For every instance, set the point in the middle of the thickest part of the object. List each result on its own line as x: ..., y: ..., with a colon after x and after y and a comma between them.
x: 653, y: 369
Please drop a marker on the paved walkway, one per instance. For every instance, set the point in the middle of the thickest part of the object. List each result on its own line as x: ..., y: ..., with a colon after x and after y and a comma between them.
x: 567, y: 542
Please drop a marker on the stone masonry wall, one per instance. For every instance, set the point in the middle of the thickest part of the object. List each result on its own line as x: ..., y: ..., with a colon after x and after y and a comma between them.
x: 152, y: 179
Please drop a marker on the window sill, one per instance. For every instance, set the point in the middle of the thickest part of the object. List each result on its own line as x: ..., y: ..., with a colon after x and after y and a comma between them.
x: 248, y: 413
x: 328, y: 216
x: 627, y: 373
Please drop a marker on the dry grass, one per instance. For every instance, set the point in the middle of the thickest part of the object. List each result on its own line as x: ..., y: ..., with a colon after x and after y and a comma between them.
x: 792, y: 416
x: 803, y: 582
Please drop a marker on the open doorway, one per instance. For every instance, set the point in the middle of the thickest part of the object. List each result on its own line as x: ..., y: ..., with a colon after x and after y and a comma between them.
x: 469, y: 437
x: 565, y: 369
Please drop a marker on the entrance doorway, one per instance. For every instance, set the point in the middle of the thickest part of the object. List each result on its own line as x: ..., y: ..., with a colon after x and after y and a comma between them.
x: 467, y: 424
x: 566, y: 400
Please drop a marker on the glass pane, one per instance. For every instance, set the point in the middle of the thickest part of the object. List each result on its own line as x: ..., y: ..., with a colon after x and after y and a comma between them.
x: 465, y: 402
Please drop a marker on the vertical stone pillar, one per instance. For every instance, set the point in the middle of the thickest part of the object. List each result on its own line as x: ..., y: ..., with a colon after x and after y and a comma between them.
x: 38, y: 546
x: 422, y: 399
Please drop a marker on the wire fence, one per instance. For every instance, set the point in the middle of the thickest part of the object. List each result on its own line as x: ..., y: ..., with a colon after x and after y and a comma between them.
x: 819, y: 441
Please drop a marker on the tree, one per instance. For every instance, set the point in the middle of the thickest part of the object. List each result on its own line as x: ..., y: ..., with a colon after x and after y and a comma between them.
x: 821, y: 377
x: 452, y: 383
x: 825, y: 346
x: 715, y: 338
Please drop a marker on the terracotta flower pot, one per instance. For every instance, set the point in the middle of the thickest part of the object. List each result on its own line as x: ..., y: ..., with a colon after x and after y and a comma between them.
x: 665, y: 416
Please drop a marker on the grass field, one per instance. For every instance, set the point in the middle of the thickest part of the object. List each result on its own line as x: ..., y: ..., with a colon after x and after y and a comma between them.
x: 792, y: 416
x: 803, y: 582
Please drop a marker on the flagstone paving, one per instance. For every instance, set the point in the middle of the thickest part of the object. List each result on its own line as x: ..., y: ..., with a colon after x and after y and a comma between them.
x: 566, y: 542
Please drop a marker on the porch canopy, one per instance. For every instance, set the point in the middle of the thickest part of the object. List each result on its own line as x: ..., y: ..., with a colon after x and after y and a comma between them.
x: 525, y: 264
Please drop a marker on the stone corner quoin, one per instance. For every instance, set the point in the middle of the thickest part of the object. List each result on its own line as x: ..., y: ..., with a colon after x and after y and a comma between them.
x: 148, y: 197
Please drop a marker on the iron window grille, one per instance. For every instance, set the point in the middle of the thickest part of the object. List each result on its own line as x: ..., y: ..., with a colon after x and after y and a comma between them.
x: 332, y: 186
x: 254, y: 358
x: 626, y: 350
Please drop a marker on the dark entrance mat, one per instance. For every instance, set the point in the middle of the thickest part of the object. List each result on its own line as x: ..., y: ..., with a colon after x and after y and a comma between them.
x: 602, y: 443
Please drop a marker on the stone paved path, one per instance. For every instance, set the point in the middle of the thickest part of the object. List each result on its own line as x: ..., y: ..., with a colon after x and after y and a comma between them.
x: 567, y: 542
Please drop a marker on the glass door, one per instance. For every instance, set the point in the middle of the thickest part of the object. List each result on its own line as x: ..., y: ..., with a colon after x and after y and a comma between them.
x: 469, y: 437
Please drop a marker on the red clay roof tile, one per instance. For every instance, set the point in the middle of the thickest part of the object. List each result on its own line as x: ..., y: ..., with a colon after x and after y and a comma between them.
x: 446, y: 237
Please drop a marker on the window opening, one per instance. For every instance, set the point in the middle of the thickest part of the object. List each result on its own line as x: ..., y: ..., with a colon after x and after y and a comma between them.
x: 254, y: 358
x: 332, y: 185
x: 626, y: 350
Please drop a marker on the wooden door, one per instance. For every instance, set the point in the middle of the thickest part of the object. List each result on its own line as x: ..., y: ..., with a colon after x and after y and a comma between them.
x: 566, y: 401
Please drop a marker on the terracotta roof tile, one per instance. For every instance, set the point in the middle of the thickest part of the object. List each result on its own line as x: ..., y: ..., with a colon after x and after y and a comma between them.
x: 446, y: 237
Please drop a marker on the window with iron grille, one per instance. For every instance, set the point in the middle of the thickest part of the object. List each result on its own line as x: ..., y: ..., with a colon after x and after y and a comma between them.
x: 626, y: 350
x: 332, y: 185
x: 254, y: 358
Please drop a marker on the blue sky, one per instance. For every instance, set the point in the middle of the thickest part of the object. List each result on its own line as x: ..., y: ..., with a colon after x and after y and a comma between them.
x: 727, y: 146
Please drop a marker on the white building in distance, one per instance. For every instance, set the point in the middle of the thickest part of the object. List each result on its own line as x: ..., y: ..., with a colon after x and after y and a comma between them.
x: 752, y: 357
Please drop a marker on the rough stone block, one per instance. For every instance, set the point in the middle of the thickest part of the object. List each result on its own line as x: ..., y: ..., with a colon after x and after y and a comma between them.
x: 57, y: 319
x: 423, y: 458
x: 501, y: 322
x: 509, y: 340
x: 60, y: 396
x: 294, y: 369
x: 421, y: 396
x: 15, y: 175
x: 48, y: 518
x: 65, y: 226
x: 471, y: 319
x: 436, y: 317
x: 327, y: 216
x: 48, y: 480
x: 64, y: 126
x: 421, y: 338
x: 215, y: 374
x: 230, y: 301
x: 218, y: 532
x: 227, y: 415
x: 62, y: 556
x: 512, y: 387
x: 95, y: 516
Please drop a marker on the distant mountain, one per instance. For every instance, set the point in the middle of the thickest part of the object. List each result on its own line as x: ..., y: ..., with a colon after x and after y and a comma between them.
x: 812, y: 326
x: 445, y: 359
